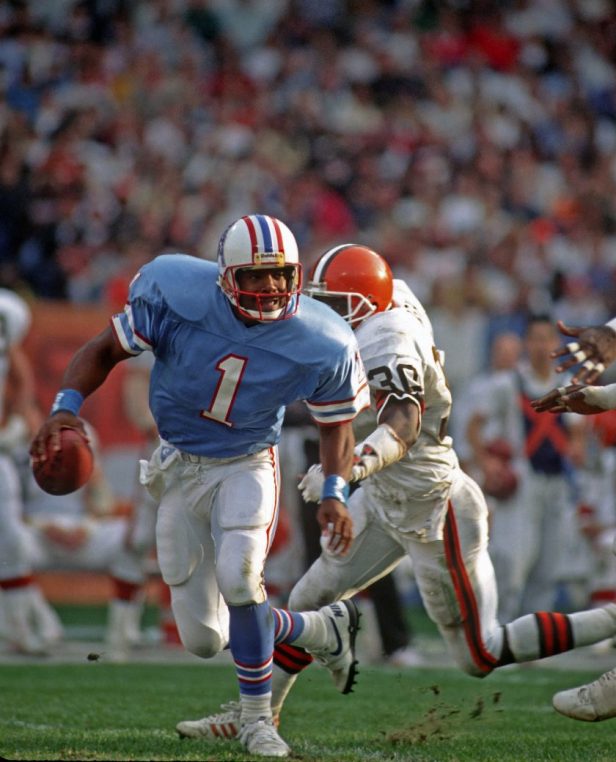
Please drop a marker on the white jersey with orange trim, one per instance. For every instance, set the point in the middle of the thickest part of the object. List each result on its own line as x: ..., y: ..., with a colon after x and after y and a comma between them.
x: 398, y: 352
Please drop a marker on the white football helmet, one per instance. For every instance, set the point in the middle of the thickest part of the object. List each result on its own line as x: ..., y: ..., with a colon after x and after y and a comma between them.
x: 258, y: 241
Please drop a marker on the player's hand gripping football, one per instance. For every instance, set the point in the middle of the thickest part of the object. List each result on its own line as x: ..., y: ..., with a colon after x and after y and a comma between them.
x: 47, y: 439
x: 595, y: 349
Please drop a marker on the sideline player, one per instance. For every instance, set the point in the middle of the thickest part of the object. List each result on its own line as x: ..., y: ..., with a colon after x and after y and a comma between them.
x: 234, y: 344
x: 595, y: 349
x: 32, y: 626
x: 414, y: 499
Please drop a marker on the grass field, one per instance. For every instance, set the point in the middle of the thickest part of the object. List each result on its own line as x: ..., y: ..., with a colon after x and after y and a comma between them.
x: 98, y: 711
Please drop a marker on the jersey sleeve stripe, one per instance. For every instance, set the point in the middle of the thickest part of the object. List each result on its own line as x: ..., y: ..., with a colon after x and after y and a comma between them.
x: 130, y: 340
x: 118, y: 329
x: 342, y: 410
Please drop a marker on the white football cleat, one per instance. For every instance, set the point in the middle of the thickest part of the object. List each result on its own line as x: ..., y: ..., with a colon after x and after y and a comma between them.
x: 343, y: 618
x: 261, y: 739
x: 593, y: 702
x: 225, y: 724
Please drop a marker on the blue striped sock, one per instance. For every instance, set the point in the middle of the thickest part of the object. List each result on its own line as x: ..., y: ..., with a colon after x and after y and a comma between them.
x: 251, y: 630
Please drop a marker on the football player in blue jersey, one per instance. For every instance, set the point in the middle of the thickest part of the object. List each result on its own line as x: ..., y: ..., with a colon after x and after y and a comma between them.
x: 234, y: 343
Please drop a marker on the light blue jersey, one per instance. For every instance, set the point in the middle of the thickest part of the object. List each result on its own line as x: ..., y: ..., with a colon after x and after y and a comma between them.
x: 219, y: 388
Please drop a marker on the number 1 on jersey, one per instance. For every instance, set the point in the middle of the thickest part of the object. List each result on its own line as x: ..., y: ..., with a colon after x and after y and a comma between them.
x: 231, y: 369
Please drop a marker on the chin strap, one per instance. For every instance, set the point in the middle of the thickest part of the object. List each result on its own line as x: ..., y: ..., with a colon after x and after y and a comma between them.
x: 378, y: 450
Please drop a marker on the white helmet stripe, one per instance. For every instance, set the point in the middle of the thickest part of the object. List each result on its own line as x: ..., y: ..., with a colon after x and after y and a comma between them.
x: 325, y: 260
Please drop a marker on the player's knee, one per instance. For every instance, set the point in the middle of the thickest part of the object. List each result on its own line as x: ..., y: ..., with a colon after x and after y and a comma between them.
x: 200, y: 639
x: 242, y: 586
x: 202, y: 642
x: 307, y: 597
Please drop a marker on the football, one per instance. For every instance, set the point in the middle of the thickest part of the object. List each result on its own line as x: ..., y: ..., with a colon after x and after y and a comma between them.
x: 68, y: 469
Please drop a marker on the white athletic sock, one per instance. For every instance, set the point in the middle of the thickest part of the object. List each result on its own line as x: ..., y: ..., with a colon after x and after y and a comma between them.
x: 316, y: 634
x: 255, y: 708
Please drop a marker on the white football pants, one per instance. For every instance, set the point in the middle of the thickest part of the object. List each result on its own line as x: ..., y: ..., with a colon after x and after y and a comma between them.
x: 216, y: 522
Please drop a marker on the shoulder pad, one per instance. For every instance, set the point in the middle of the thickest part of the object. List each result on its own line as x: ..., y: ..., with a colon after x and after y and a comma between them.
x: 186, y: 283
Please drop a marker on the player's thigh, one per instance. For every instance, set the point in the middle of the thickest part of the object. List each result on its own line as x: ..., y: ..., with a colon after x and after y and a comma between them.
x: 244, y: 518
x: 183, y: 535
x: 373, y: 553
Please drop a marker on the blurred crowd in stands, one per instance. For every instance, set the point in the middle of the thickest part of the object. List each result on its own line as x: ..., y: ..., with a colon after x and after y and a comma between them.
x: 473, y: 143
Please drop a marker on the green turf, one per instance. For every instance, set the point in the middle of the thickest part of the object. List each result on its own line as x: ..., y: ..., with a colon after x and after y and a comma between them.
x: 99, y: 711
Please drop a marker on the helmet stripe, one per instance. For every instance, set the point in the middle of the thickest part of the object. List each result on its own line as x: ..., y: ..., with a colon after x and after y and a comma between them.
x: 279, y: 238
x: 253, y: 235
x: 323, y: 263
x: 265, y: 231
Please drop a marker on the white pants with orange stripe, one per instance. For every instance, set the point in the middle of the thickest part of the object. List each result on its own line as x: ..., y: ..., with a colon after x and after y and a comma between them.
x: 216, y: 522
x: 456, y: 582
x: 454, y: 575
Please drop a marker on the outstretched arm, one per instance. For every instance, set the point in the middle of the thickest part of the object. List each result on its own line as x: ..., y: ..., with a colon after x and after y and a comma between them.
x: 87, y: 370
x: 585, y: 400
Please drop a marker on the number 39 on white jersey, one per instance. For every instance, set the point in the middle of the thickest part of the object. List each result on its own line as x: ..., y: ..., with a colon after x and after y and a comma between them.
x: 398, y: 352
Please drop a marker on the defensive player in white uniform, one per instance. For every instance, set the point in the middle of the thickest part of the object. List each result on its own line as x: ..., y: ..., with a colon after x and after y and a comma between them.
x: 595, y: 349
x: 414, y: 499
x: 31, y: 624
x: 234, y: 344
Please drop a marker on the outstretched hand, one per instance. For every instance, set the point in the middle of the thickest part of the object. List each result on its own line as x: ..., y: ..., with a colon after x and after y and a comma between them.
x: 594, y: 349
x: 567, y: 399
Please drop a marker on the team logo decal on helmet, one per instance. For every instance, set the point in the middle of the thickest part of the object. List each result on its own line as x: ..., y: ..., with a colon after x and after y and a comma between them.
x: 354, y: 280
x: 258, y: 242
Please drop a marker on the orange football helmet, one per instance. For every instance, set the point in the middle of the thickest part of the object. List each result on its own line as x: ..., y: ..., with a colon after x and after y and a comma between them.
x: 353, y: 280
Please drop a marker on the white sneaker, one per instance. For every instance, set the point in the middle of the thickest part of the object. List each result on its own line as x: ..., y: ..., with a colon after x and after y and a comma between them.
x: 339, y: 659
x: 591, y: 703
x: 261, y: 739
x: 225, y: 724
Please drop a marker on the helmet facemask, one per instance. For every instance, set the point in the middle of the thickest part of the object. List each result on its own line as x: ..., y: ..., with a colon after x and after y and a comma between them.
x: 351, y: 306
x: 253, y: 304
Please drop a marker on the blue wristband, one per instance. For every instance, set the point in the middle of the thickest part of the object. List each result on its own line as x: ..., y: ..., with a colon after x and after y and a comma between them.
x: 335, y: 487
x: 69, y: 400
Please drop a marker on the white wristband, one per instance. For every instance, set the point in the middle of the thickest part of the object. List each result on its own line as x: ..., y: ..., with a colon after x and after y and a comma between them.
x: 601, y: 396
x: 378, y: 450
